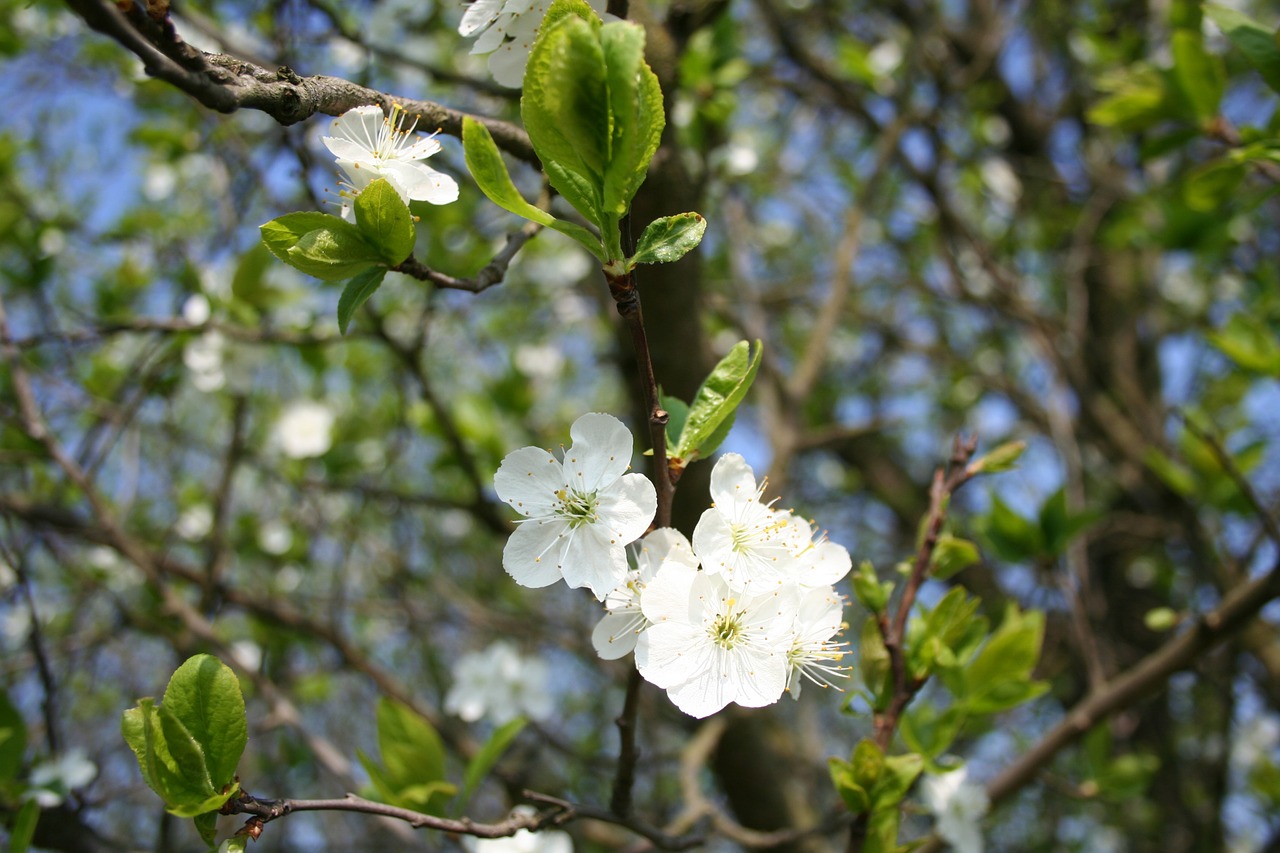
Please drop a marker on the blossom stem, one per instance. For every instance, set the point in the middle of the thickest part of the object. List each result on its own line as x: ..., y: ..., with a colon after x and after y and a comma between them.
x: 622, y: 286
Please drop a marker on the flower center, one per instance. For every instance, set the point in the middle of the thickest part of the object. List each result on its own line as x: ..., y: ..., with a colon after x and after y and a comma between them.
x: 577, y: 508
x: 392, y: 134
x: 727, y: 630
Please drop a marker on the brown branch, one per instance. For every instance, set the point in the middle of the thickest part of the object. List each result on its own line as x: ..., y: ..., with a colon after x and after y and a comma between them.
x: 493, y: 273
x: 226, y: 83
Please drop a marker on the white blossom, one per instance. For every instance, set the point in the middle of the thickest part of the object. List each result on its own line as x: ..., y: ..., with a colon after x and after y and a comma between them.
x: 580, y: 514
x: 524, y: 841
x: 369, y: 146
x: 814, y: 653
x: 304, y: 430
x: 195, y: 522
x: 741, y: 537
x: 500, y: 685
x: 957, y: 805
x: 615, y: 635
x: 709, y: 645
x: 506, y: 30
x: 52, y: 780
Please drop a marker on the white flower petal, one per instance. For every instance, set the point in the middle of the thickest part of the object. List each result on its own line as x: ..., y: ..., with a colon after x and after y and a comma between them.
x: 601, y: 451
x: 422, y: 183
x: 591, y: 559
x: 507, y: 64
x: 478, y: 15
x: 628, y: 507
x: 669, y: 596
x: 532, y: 554
x: 615, y: 635
x: 529, y: 479
x: 732, y: 480
x: 672, y: 653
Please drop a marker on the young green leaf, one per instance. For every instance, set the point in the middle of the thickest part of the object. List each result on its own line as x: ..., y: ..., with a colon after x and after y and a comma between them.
x: 999, y: 677
x: 480, y: 765
x: 333, y: 253
x: 356, y: 293
x: 565, y: 108
x: 867, y: 763
x: 669, y: 239
x: 1259, y: 45
x: 207, y: 826
x: 412, y: 771
x: 385, y: 221
x: 854, y: 795
x: 24, y: 827
x: 204, y: 696
x: 484, y: 161
x: 284, y: 232
x: 636, y: 116
x: 952, y: 555
x: 717, y: 400
x: 1200, y: 76
x: 677, y: 413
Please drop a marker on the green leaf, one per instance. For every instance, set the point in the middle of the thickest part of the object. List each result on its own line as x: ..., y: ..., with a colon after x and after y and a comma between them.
x: 1010, y: 535
x: 1200, y: 77
x: 1137, y: 100
x: 283, y: 233
x: 867, y: 762
x: 207, y: 826
x: 565, y: 108
x: 677, y: 413
x: 871, y: 592
x: 385, y: 221
x: 482, y: 762
x: 873, y: 662
x: 1255, y: 41
x: 13, y: 739
x: 1211, y: 186
x: 356, y: 293
x: 412, y: 771
x: 249, y: 282
x: 952, y: 555
x: 484, y: 161
x: 928, y: 732
x: 1003, y: 458
x: 1249, y: 341
x: 333, y: 253
x: 669, y: 239
x: 635, y: 116
x: 24, y: 827
x: 204, y: 696
x: 897, y: 777
x: 854, y: 795
x: 717, y: 400
x: 999, y: 677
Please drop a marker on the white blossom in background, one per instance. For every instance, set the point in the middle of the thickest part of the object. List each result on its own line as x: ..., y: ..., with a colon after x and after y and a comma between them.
x: 615, y: 635
x: 580, y: 514
x: 195, y: 522
x: 203, y: 356
x: 1001, y: 180
x: 506, y: 30
x: 500, y: 685
x: 369, y: 145
x: 524, y: 841
x: 275, y: 537
x: 957, y: 805
x: 52, y: 780
x: 305, y: 429
x: 709, y: 645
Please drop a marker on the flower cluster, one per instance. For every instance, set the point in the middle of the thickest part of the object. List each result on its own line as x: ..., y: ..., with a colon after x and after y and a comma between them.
x: 742, y: 614
x: 499, y: 684
x: 369, y: 146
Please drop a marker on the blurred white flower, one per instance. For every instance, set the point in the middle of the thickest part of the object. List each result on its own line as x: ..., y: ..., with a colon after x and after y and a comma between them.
x: 369, y: 146
x: 275, y: 537
x: 884, y: 58
x: 52, y: 780
x: 580, y: 514
x: 957, y: 805
x: 524, y: 841
x: 195, y: 310
x: 1001, y: 180
x: 539, y: 361
x: 8, y: 577
x: 500, y: 685
x: 195, y: 522
x: 305, y: 429
x: 203, y: 356
x: 506, y: 30
x: 248, y: 654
